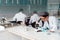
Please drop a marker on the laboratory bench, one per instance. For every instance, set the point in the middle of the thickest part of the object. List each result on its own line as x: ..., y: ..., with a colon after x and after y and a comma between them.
x: 31, y: 33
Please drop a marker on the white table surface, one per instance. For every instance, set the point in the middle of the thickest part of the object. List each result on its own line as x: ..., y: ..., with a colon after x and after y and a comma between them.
x: 5, y: 35
x: 31, y: 34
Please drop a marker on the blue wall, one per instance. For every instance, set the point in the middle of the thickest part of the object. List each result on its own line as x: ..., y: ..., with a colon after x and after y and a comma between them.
x: 9, y: 9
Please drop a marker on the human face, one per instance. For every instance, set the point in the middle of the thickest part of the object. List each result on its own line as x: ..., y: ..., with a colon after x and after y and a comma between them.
x: 44, y: 18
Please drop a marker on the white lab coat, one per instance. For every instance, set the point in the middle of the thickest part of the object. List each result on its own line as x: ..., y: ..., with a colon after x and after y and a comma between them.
x: 34, y: 18
x: 52, y: 25
x: 20, y: 17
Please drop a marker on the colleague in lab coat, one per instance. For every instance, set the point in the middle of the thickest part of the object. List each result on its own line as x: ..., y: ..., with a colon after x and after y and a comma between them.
x: 48, y: 22
x: 34, y: 18
x: 20, y: 17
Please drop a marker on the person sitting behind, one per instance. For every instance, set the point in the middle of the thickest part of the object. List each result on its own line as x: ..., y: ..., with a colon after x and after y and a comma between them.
x: 33, y: 19
x: 20, y: 17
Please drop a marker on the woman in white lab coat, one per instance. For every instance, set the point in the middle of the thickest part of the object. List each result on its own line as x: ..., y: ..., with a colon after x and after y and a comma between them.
x: 20, y: 17
x: 33, y: 19
x: 48, y: 22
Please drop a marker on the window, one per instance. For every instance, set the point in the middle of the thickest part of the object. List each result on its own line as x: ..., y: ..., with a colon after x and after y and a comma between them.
x: 42, y: 3
x: 8, y: 2
x: 14, y: 2
x: 3, y: 2
x: 59, y: 6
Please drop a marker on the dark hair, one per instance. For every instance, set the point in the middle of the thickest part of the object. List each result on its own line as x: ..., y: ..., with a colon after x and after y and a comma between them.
x: 20, y: 10
x: 35, y: 12
x: 44, y: 14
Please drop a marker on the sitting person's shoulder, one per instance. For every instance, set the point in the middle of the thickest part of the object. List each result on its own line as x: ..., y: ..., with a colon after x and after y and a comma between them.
x: 52, y: 17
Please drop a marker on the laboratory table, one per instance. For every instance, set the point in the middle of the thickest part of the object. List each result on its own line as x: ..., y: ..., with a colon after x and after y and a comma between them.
x: 31, y: 34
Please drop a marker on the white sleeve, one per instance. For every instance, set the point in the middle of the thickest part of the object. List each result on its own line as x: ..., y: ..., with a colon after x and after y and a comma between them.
x: 25, y: 18
x: 53, y: 23
x: 30, y: 20
x: 14, y: 17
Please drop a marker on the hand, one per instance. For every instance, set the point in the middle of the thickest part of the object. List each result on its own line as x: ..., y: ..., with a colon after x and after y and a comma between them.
x: 52, y: 31
x: 39, y: 31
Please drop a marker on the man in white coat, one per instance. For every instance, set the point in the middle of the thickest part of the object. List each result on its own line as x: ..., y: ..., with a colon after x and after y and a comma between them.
x: 20, y: 17
x: 34, y: 18
x: 49, y: 22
